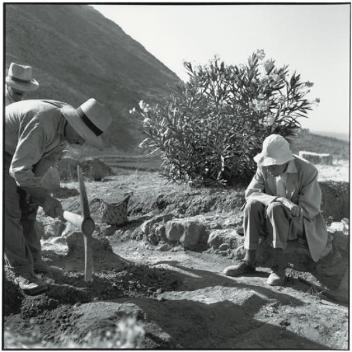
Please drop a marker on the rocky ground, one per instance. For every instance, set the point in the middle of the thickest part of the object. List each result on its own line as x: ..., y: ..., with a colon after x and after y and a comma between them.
x: 158, y: 279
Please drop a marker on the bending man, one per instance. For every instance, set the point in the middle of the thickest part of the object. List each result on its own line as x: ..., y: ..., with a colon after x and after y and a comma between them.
x: 36, y: 131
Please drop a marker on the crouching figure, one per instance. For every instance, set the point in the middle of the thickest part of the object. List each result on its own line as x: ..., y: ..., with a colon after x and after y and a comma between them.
x: 282, y: 202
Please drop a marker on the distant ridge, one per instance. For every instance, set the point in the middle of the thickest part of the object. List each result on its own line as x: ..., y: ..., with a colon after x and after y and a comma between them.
x: 338, y: 135
x: 77, y: 53
x: 312, y: 142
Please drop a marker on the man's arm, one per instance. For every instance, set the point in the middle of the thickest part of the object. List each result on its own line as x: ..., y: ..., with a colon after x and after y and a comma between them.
x: 255, y: 190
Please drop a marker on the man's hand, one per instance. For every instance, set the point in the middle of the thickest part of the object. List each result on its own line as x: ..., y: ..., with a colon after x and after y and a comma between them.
x: 52, y: 207
x: 292, y: 207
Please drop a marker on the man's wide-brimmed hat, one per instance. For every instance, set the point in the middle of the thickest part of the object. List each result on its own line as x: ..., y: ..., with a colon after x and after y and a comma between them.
x: 89, y: 120
x: 20, y: 77
x: 276, y: 151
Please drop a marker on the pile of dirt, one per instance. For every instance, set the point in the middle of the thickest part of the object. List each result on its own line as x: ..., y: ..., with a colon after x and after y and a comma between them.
x: 92, y: 168
x: 114, y: 277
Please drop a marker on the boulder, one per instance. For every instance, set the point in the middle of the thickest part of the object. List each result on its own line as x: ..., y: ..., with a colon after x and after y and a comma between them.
x: 229, y: 237
x: 317, y: 158
x: 335, y: 199
x: 190, y: 233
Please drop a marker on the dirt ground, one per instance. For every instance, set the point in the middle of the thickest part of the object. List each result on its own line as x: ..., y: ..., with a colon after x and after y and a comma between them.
x: 164, y: 297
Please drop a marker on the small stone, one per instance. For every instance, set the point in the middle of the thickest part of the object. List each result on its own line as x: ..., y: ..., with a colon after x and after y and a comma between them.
x: 163, y: 247
x: 224, y: 247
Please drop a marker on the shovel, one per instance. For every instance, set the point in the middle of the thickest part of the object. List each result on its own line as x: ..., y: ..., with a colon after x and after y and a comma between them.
x: 87, y: 226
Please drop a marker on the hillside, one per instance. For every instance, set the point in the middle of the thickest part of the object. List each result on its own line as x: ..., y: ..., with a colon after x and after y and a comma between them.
x: 77, y: 53
x: 321, y: 144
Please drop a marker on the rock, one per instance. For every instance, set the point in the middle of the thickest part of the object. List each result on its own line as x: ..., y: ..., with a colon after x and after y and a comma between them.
x: 106, y: 230
x: 339, y: 226
x: 340, y: 241
x: 225, y: 236
x: 174, y: 231
x: 224, y: 247
x: 164, y: 247
x: 316, y: 158
x: 160, y: 232
x: 49, y: 227
x: 51, y: 179
x: 335, y: 199
x: 149, y: 225
x: 95, y: 169
x: 191, y: 234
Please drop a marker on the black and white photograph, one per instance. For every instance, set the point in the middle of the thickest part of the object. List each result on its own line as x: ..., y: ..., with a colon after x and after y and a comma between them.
x: 176, y: 176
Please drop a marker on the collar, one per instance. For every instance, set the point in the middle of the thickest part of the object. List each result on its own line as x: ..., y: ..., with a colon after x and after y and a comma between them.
x: 291, y: 167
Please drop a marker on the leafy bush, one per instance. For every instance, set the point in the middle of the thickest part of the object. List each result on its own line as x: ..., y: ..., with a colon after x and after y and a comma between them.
x: 209, y: 130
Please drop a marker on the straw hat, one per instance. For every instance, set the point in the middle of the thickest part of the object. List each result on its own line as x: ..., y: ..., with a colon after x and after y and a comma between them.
x: 276, y: 151
x: 20, y: 77
x: 89, y: 120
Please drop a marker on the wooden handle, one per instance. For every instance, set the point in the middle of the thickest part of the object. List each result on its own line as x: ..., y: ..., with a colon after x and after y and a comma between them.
x: 88, y: 259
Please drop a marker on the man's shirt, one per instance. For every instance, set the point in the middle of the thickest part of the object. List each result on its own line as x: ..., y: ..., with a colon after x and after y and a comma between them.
x: 281, y: 180
x: 34, y: 130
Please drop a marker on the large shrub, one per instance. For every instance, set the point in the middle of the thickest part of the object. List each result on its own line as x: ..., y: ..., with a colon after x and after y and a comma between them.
x: 210, y: 129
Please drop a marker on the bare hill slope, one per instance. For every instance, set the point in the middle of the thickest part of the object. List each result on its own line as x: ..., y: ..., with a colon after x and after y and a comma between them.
x: 77, y: 53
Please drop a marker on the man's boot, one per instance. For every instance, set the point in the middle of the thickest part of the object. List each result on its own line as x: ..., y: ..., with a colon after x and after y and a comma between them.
x: 277, y: 275
x: 246, y: 266
x: 30, y: 284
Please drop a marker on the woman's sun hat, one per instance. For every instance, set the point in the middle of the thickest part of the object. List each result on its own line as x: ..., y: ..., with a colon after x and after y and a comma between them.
x: 20, y: 77
x: 276, y: 151
x: 89, y: 120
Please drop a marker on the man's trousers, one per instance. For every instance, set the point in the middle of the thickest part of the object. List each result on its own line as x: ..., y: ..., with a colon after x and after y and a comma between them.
x: 273, y: 220
x: 21, y: 242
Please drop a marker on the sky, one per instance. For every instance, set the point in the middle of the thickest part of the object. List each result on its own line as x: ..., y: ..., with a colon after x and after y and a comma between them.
x: 313, y: 40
